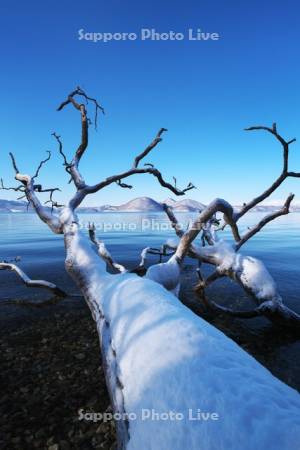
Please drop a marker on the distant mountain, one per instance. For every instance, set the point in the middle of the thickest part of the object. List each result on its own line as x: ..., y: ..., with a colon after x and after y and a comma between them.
x: 185, y: 205
x: 16, y: 206
x: 140, y: 204
x: 12, y: 206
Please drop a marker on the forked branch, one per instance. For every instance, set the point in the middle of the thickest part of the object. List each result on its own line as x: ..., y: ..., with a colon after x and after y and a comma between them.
x: 218, y: 205
x: 148, y: 149
x: 29, y: 189
x: 73, y: 167
x: 248, y: 272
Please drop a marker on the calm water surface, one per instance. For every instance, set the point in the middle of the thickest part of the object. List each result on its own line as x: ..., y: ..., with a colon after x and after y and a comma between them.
x: 126, y: 234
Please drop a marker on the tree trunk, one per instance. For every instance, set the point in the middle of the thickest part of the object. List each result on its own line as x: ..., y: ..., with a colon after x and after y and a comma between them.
x: 161, y: 359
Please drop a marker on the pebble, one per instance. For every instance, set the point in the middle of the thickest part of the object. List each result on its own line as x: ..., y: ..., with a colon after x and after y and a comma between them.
x: 53, y: 447
x: 53, y: 382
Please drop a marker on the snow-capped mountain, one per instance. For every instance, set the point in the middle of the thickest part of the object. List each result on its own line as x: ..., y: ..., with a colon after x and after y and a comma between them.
x: 184, y: 205
x: 141, y: 204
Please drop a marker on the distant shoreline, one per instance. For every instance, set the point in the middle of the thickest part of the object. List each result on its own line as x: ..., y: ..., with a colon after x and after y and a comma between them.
x: 140, y: 205
x: 297, y: 211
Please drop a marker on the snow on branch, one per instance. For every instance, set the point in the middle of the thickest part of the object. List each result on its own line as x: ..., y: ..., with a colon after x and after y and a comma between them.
x: 102, y: 250
x: 248, y: 272
x: 32, y: 283
x: 30, y: 189
x: 174, y: 222
x: 217, y: 205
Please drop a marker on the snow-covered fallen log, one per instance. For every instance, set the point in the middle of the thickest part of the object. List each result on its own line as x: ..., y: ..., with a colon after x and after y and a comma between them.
x: 158, y: 356
x: 162, y: 359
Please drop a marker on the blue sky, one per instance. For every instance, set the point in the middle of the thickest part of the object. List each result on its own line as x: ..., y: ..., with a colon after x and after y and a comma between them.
x: 205, y: 93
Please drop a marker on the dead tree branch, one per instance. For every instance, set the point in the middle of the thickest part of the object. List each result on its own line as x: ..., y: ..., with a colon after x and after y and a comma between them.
x: 60, y: 149
x: 149, y: 148
x: 174, y: 222
x: 284, y: 174
x: 73, y: 168
x: 29, y: 189
x: 102, y: 250
x: 32, y: 283
x: 41, y: 165
x: 242, y: 269
x: 51, y: 220
x: 78, y: 91
x: 218, y: 205
x: 283, y: 211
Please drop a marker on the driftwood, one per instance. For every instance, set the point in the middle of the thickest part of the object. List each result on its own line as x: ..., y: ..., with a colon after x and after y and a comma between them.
x: 153, y: 346
x: 248, y: 272
x: 80, y: 262
x: 32, y: 283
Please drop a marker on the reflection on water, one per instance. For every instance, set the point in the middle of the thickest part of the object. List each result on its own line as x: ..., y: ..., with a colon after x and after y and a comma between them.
x: 126, y: 234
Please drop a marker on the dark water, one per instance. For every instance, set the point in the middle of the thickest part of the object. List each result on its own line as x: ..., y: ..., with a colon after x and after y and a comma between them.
x: 278, y: 246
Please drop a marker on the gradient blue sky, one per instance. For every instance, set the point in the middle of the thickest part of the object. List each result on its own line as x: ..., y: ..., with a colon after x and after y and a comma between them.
x: 205, y: 93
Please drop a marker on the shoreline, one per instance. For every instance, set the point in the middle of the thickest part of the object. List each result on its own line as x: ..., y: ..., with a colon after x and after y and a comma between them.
x: 51, y: 365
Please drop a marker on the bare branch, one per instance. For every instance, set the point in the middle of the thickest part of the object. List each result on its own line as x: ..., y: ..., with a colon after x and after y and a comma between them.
x: 174, y: 222
x: 20, y: 188
x: 213, y: 306
x: 41, y: 165
x: 272, y: 130
x: 141, y: 268
x: 219, y: 309
x: 78, y: 91
x: 32, y: 283
x: 54, y: 204
x: 283, y: 211
x: 294, y: 174
x: 73, y: 167
x: 82, y: 189
x: 279, y: 314
x: 60, y: 149
x: 13, y: 162
x: 199, y: 289
x: 124, y: 185
x: 152, y: 171
x: 284, y: 174
x: 204, y: 283
x: 102, y: 250
x: 148, y: 149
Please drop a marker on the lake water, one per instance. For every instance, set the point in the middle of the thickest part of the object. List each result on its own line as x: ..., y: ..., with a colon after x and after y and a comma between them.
x: 126, y: 234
